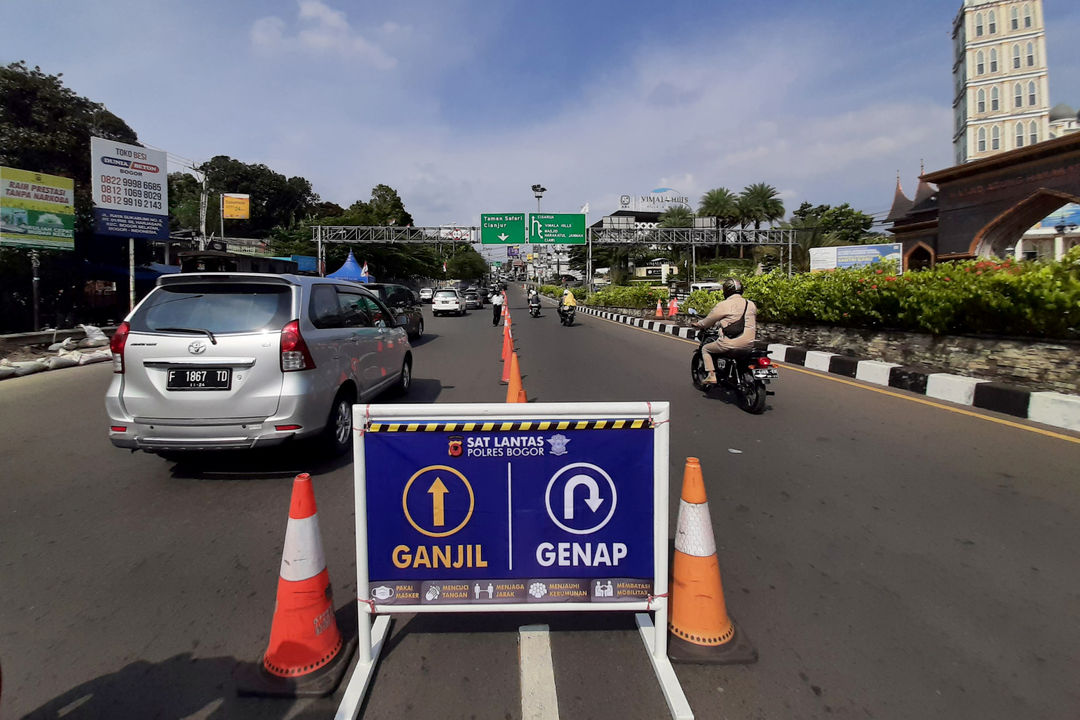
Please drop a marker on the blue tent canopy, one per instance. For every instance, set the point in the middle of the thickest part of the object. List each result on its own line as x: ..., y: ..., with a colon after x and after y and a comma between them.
x: 351, y: 270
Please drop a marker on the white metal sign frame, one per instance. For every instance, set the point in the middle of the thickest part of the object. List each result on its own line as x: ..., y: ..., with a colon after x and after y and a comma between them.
x: 651, y: 615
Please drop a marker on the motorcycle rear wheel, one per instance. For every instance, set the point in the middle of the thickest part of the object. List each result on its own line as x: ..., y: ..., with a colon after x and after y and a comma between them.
x: 697, y: 371
x: 752, y: 395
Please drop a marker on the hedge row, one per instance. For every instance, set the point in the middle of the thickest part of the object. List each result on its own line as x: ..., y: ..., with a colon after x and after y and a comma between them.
x: 1037, y: 299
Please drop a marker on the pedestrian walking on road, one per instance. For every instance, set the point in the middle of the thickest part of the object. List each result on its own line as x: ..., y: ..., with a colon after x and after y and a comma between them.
x: 496, y: 307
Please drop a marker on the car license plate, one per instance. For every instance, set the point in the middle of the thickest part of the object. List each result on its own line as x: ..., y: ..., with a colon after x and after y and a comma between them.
x: 211, y: 378
x: 766, y: 373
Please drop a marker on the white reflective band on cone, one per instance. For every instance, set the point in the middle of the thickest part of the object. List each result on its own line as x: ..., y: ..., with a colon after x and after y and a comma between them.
x: 303, y: 556
x: 695, y: 535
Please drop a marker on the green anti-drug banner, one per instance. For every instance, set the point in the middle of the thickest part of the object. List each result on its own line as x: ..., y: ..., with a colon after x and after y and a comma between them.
x: 36, y: 210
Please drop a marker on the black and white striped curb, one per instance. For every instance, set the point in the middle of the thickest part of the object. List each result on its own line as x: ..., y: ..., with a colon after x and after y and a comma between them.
x: 1049, y: 408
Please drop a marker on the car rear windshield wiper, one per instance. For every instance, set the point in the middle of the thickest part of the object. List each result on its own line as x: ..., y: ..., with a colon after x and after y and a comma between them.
x: 197, y: 331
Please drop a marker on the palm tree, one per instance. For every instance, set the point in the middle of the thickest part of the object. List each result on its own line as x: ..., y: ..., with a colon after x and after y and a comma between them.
x: 677, y: 216
x: 758, y: 203
x: 761, y: 204
x: 722, y: 204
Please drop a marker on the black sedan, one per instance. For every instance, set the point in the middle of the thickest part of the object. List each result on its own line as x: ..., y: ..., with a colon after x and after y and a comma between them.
x: 402, y: 302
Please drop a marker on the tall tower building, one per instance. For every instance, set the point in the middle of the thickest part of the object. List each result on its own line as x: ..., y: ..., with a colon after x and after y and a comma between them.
x: 1000, y: 77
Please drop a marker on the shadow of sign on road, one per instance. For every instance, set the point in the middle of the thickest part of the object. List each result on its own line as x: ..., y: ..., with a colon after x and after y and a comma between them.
x: 176, y: 688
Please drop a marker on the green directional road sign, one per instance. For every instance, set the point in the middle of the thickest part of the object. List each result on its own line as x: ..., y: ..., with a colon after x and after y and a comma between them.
x: 502, y: 229
x: 557, y: 228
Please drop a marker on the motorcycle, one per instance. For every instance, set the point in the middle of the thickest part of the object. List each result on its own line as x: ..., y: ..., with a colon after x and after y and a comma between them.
x: 746, y: 373
x: 534, y: 308
x: 566, y: 314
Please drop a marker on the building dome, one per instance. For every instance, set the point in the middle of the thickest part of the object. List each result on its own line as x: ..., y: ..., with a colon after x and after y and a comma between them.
x: 1061, y: 111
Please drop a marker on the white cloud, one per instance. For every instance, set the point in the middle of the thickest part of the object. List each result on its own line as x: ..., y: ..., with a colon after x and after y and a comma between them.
x: 320, y: 30
x: 690, y: 117
x: 268, y: 32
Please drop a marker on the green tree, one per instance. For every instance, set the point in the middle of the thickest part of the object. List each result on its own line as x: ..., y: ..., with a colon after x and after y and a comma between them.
x: 842, y: 223
x: 46, y: 127
x: 819, y: 226
x: 677, y: 217
x: 722, y: 204
x: 275, y: 199
x: 760, y: 204
x: 387, y: 208
x: 466, y: 264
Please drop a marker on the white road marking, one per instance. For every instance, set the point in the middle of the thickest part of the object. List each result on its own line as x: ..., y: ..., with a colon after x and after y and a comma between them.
x: 539, y: 700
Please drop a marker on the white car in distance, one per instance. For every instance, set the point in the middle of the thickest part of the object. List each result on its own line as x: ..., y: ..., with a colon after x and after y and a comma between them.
x: 446, y: 301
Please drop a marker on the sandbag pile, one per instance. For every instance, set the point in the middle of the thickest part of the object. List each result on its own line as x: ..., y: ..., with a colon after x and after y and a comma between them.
x: 72, y: 351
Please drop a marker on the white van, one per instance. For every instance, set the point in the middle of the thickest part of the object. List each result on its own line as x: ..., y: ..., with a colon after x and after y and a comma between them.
x: 706, y: 286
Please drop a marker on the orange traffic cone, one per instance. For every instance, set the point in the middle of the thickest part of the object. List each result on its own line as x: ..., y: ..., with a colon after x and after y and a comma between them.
x: 673, y: 307
x: 508, y: 347
x: 659, y: 309
x: 699, y: 629
x: 307, y: 654
x: 515, y: 392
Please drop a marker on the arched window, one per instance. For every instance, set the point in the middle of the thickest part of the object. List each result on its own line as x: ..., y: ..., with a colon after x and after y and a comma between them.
x: 992, y: 22
x: 1019, y: 134
x: 1033, y: 132
x: 1018, y: 93
x: 1027, y: 16
x: 995, y: 138
x: 980, y: 63
x: 1014, y: 20
x: 1031, y: 54
x: 980, y: 101
x: 1031, y: 93
x: 1016, y: 56
x: 993, y: 60
x: 982, y: 139
x: 995, y: 98
x: 978, y: 24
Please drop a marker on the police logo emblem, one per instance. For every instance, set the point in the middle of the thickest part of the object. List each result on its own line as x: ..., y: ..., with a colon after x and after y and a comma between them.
x: 558, y: 444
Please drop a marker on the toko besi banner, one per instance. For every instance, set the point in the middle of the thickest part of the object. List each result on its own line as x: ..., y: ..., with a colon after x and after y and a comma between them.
x: 130, y: 190
x: 36, y: 210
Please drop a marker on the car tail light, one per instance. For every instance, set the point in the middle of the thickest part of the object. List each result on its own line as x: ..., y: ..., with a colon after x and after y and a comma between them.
x: 282, y: 428
x: 116, y: 344
x: 764, y: 362
x: 118, y: 428
x: 294, y: 351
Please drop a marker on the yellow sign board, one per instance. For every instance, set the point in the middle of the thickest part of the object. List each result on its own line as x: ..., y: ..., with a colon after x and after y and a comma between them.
x: 36, y: 210
x: 235, y: 206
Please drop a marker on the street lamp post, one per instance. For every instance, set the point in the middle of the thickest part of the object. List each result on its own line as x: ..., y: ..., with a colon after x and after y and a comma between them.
x: 538, y: 192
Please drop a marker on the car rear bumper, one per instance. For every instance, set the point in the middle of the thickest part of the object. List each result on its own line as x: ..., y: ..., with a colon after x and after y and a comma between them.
x: 158, y: 437
x: 302, y: 406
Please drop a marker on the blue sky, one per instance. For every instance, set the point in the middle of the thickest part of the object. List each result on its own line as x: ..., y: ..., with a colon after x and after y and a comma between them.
x: 462, y: 106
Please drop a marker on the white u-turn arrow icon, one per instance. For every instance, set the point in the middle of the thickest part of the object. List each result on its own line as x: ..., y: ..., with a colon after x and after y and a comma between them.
x: 594, y: 501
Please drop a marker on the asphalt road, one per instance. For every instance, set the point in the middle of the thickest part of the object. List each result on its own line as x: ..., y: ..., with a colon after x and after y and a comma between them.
x: 889, y: 557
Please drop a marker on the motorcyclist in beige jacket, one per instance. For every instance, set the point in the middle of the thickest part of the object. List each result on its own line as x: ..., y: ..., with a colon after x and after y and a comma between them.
x: 727, y: 312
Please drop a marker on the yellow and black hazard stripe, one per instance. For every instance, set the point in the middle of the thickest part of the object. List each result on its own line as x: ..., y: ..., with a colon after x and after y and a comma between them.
x: 514, y: 426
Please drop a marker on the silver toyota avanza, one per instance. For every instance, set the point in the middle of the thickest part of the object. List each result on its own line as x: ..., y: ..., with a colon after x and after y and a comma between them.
x: 211, y: 361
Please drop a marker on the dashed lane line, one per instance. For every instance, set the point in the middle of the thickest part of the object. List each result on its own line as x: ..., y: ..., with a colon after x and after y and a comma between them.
x: 539, y: 701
